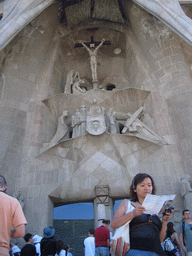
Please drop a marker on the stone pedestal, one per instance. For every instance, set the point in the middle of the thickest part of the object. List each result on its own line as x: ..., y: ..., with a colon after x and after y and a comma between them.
x: 103, y: 205
x: 95, y: 85
x: 102, y: 211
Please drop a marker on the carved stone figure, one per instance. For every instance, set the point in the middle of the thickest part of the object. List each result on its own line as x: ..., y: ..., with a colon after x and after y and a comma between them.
x: 73, y: 125
x: 96, y: 120
x: 74, y: 84
x: 69, y: 82
x: 93, y: 53
x: 131, y: 125
x: 112, y: 123
x: 76, y: 87
x: 185, y: 186
x: 83, y: 116
x: 62, y: 129
x: 186, y: 191
x: 76, y: 124
x: 135, y: 127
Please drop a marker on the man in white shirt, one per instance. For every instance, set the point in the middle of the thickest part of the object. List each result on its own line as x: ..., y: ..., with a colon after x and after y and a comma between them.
x: 89, y: 243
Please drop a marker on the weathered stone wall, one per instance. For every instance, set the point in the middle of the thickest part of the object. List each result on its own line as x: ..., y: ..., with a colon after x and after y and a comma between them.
x: 169, y: 79
x: 34, y: 67
x: 21, y: 115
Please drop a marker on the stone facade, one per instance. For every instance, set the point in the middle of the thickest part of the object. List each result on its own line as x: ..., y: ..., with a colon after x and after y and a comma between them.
x: 34, y: 69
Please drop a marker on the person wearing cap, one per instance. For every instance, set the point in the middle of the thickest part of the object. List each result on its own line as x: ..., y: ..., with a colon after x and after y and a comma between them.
x: 11, y: 216
x: 36, y: 242
x: 48, y: 242
x: 102, y: 239
x: 28, y: 249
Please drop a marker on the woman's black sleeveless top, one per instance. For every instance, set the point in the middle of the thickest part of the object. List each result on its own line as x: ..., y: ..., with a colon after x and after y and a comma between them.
x: 144, y: 233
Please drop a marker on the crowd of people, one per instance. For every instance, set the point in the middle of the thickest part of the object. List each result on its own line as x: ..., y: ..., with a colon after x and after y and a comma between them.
x: 149, y: 235
x: 41, y: 246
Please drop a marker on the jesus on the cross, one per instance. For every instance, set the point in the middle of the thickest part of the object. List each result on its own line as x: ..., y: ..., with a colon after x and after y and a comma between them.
x: 93, y: 53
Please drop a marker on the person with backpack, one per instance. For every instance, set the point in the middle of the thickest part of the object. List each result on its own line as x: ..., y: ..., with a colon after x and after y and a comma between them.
x: 28, y: 249
x: 48, y: 242
x: 185, y: 233
x: 171, y: 244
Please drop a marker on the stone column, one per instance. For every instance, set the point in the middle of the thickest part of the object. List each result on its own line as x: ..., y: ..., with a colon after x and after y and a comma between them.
x: 103, y: 205
x: 95, y: 85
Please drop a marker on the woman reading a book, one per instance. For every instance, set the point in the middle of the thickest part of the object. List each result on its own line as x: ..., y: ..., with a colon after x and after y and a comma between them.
x: 147, y: 232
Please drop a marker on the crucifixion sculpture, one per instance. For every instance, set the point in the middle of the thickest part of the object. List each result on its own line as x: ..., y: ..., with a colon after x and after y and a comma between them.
x: 92, y: 49
x: 93, y: 53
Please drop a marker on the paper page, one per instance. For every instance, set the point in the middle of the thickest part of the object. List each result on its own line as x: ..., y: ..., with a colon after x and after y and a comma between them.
x: 155, y: 204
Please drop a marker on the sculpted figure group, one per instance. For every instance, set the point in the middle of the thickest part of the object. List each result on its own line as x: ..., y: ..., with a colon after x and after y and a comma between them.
x: 74, y: 84
x: 96, y: 121
x: 78, y: 122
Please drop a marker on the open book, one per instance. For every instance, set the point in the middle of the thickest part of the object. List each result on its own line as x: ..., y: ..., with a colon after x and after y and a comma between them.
x: 157, y: 204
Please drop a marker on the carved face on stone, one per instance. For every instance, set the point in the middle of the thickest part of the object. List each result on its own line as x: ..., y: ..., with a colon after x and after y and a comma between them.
x: 95, y: 125
x: 77, y: 113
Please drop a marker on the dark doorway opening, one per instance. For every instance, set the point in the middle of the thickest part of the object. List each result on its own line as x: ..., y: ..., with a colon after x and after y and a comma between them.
x: 72, y: 223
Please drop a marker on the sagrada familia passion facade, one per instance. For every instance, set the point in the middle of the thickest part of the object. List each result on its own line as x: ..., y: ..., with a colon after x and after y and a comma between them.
x: 91, y: 93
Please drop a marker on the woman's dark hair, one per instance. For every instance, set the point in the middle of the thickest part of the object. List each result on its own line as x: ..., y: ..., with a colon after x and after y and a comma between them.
x: 138, y: 179
x: 59, y: 246
x: 66, y: 247
x: 170, y: 229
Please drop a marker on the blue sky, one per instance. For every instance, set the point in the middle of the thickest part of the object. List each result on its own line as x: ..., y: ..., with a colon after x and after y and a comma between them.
x: 77, y: 211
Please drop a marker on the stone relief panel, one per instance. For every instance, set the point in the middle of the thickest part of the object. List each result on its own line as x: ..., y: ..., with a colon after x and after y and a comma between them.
x: 98, y: 111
